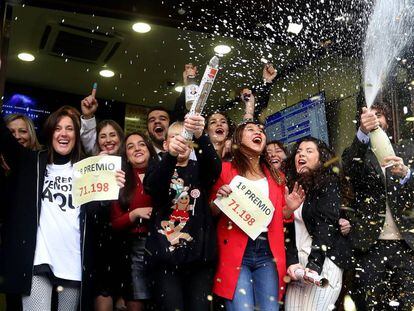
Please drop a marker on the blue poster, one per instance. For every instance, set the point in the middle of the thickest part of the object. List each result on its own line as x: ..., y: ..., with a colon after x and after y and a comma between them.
x: 306, y: 118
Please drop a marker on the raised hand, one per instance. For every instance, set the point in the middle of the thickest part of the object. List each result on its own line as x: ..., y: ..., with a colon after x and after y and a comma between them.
x: 89, y: 104
x: 178, y: 145
x: 189, y: 70
x: 369, y: 121
x: 269, y: 73
x: 295, y: 198
x: 194, y: 124
x: 249, y: 100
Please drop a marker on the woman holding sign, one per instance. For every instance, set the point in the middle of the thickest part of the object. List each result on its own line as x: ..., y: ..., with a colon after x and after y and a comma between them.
x: 314, y: 242
x: 45, y: 242
x: 105, y: 138
x: 247, y: 276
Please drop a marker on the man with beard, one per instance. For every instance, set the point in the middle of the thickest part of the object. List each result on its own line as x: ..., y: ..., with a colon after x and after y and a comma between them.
x: 158, y: 121
x: 382, y: 232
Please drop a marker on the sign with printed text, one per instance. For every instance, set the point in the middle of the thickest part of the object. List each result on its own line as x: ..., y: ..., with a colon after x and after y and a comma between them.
x: 247, y: 206
x: 94, y: 179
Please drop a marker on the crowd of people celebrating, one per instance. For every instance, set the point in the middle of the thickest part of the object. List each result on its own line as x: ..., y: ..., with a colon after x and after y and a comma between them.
x: 166, y: 245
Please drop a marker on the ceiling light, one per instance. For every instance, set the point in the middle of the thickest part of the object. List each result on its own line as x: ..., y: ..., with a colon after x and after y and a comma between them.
x: 294, y: 28
x: 222, y: 49
x: 409, y: 119
x: 141, y: 27
x: 178, y: 89
x: 26, y: 57
x: 107, y: 73
x: 412, y: 82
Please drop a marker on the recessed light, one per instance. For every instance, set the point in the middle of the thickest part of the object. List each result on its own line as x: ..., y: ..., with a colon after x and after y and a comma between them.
x: 178, y: 89
x: 222, y: 49
x: 141, y: 27
x: 409, y: 119
x: 26, y: 57
x: 107, y: 73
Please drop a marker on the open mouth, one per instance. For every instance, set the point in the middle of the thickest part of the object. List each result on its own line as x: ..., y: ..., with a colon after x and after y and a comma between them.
x: 138, y: 154
x: 301, y: 165
x: 275, y: 161
x: 63, y: 142
x: 257, y: 140
x: 219, y: 131
x: 110, y: 146
x: 158, y: 129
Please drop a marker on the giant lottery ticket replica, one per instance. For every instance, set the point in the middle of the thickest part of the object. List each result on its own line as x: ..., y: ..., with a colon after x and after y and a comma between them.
x: 247, y: 207
x: 94, y: 179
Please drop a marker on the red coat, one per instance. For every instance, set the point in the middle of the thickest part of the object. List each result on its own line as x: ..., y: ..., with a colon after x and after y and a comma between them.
x: 232, y: 241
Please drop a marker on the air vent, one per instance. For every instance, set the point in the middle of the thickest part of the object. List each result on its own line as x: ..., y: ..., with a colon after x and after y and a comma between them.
x: 77, y: 43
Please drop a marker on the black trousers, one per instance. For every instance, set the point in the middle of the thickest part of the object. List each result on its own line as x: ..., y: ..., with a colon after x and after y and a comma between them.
x: 384, y: 278
x: 185, y: 288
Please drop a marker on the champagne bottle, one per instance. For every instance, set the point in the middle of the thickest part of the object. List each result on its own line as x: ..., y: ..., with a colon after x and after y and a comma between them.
x: 380, y: 144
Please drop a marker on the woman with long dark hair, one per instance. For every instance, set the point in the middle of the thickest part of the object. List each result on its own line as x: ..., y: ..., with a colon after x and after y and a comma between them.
x: 314, y: 242
x: 109, y: 140
x: 45, y: 241
x: 105, y: 138
x: 218, y: 130
x: 250, y: 272
x: 130, y: 214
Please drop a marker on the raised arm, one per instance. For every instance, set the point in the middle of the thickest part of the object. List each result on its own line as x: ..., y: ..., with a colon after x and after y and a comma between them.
x: 264, y: 89
x: 180, y: 109
x: 353, y: 157
x: 89, y: 105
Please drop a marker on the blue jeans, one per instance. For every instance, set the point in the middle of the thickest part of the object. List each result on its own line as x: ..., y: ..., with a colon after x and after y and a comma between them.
x: 257, y: 286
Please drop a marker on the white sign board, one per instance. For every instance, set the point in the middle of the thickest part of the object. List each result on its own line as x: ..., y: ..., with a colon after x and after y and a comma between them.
x: 94, y: 179
x: 247, y: 207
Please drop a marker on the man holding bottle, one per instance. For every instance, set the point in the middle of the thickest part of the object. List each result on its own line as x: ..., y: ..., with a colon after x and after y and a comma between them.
x: 382, y: 232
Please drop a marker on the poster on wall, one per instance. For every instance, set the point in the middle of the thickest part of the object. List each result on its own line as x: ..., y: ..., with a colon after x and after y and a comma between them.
x: 306, y: 118
x: 135, y: 119
x: 30, y: 106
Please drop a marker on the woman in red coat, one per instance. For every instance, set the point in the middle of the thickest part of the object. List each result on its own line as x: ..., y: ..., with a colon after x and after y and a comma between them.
x: 250, y: 272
